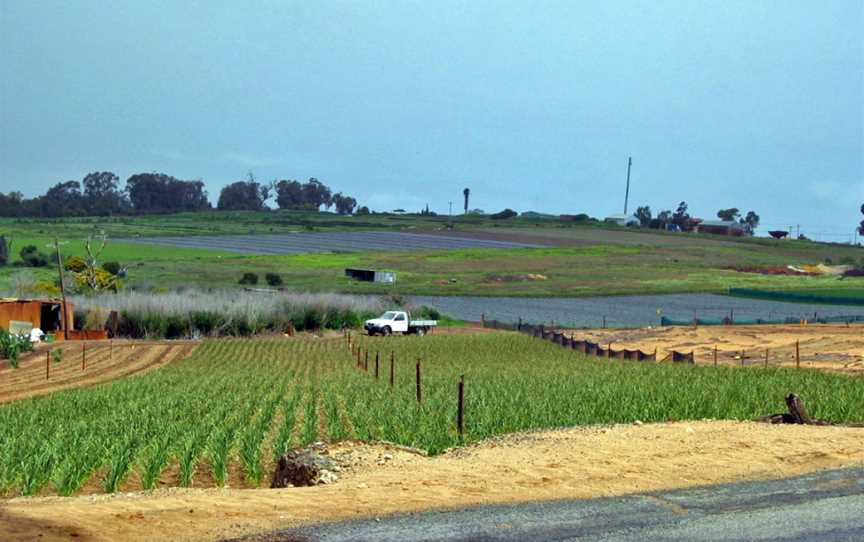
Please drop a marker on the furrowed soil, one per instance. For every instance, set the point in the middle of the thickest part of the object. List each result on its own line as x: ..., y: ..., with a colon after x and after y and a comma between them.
x: 830, y: 347
x: 544, y: 465
x: 103, y: 361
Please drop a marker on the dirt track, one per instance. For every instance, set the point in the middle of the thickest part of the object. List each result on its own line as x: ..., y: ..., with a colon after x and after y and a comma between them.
x: 547, y: 465
x: 104, y: 361
x: 833, y: 347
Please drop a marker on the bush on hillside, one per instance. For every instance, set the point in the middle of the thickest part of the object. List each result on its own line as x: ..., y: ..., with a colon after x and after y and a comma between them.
x: 249, y: 279
x: 273, y: 279
x: 503, y: 215
x: 31, y: 257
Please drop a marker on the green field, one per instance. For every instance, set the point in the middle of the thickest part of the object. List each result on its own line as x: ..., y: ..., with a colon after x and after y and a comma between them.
x: 581, y: 259
x: 230, y: 409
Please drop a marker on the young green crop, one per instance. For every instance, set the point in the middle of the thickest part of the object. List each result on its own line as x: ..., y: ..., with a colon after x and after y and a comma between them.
x: 234, y: 406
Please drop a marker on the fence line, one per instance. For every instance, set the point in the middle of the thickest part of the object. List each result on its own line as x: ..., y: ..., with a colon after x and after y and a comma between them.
x: 587, y: 347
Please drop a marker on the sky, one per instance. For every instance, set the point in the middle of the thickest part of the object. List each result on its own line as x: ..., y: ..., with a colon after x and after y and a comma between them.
x: 532, y: 105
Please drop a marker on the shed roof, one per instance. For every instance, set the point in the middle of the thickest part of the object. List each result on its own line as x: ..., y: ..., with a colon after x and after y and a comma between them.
x: 721, y: 224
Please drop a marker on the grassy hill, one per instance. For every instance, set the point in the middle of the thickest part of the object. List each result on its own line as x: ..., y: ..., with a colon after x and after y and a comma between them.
x: 575, y: 259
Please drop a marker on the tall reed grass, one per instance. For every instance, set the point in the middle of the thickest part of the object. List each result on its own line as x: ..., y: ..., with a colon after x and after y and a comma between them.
x: 238, y: 313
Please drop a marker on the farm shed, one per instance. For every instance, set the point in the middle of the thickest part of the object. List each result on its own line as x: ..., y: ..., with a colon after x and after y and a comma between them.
x: 622, y: 220
x: 720, y: 227
x: 368, y: 275
x: 42, y: 313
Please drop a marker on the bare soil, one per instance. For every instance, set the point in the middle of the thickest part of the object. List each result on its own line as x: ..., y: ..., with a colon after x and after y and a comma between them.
x: 103, y: 361
x: 831, y: 347
x: 544, y: 465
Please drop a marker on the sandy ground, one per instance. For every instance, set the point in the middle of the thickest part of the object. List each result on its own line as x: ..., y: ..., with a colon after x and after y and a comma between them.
x: 559, y: 464
x: 833, y: 347
x: 103, y: 361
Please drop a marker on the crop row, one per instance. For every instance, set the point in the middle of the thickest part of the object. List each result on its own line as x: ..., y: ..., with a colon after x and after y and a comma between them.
x: 226, y: 413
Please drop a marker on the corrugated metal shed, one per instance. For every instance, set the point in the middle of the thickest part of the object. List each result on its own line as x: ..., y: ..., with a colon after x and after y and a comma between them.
x: 42, y: 313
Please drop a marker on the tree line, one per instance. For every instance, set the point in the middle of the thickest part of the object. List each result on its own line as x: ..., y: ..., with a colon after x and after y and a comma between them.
x: 100, y: 194
x: 682, y: 220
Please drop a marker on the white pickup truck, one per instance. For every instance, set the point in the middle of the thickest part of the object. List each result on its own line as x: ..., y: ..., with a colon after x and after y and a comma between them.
x: 398, y: 321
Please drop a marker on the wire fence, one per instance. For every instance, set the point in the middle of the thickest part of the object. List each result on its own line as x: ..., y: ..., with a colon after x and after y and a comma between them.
x: 588, y: 347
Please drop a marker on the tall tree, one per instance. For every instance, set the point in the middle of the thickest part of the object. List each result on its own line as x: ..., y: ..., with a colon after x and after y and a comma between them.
x: 466, y: 193
x: 344, y: 204
x: 861, y: 224
x: 681, y: 218
x: 12, y: 204
x: 102, y: 194
x: 316, y: 194
x: 729, y: 214
x: 160, y: 193
x: 643, y: 214
x: 244, y: 196
x: 289, y: 194
x: 62, y: 199
x: 750, y: 222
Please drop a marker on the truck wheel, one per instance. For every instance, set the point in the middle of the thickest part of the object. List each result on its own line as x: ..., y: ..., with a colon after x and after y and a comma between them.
x: 371, y: 332
x: 421, y: 331
x: 386, y: 331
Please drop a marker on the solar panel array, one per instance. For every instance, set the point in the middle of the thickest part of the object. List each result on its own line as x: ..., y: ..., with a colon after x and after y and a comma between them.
x: 297, y: 243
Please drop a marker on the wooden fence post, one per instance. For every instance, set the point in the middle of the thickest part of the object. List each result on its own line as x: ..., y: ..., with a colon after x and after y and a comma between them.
x: 366, y: 362
x: 715, y: 355
x: 797, y: 355
x: 460, y: 415
x: 419, y: 389
x: 609, y: 351
x: 392, y: 369
x: 766, y: 358
x: 742, y: 358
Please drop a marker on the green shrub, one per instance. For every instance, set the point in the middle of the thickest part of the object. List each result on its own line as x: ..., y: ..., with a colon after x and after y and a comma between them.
x: 4, y: 251
x: 428, y: 313
x: 31, y: 257
x: 249, y: 279
x: 112, y: 267
x: 312, y: 320
x: 11, y: 346
x: 205, y: 322
x: 75, y: 264
x: 273, y: 279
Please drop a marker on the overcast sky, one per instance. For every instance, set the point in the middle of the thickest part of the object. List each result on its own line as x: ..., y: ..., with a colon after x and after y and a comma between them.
x: 533, y: 105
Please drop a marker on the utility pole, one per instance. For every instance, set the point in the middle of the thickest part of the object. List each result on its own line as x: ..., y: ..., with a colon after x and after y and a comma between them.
x: 798, y: 231
x: 627, y: 193
x: 63, y: 315
x: 450, y: 214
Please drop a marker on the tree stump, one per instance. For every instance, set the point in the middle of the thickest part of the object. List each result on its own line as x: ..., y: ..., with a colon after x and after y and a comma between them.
x: 302, y: 468
x: 797, y: 414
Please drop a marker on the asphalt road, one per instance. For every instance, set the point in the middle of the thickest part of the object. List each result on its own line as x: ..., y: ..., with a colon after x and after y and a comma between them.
x: 827, y: 506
